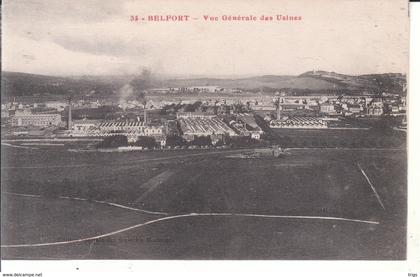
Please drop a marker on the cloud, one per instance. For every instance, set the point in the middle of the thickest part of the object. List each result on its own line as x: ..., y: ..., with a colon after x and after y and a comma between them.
x: 101, y: 45
x: 45, y: 57
x: 63, y: 11
x: 95, y: 37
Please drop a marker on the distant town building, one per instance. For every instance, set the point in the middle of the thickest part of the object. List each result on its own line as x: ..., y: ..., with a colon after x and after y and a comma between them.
x: 58, y: 105
x: 354, y: 108
x: 263, y: 106
x: 395, y: 109
x: 201, y: 89
x: 194, y: 115
x: 327, y: 108
x: 402, y: 107
x: 4, y: 113
x: 376, y: 111
x: 377, y: 103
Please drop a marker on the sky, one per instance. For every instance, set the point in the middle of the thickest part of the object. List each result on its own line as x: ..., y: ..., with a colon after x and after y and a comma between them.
x: 96, y: 37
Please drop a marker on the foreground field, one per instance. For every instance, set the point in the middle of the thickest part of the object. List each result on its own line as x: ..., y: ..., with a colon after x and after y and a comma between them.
x: 308, y: 204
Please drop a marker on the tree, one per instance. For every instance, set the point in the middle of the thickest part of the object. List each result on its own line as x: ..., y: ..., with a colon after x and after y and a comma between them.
x: 239, y: 108
x: 174, y: 140
x: 113, y: 142
x: 244, y: 142
x: 145, y: 141
x: 192, y: 107
x: 201, y: 141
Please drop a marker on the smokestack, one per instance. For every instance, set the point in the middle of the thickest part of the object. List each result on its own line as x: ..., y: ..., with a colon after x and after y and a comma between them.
x: 69, y: 123
x: 145, y: 114
x: 278, y: 109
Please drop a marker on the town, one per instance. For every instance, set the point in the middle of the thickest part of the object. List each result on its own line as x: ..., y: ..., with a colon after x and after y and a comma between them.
x: 205, y: 119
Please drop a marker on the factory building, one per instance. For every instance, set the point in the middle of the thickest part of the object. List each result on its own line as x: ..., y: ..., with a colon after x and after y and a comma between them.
x: 300, y: 122
x: 203, y: 126
x: 26, y: 118
x: 245, y: 125
x: 109, y: 128
x: 137, y: 127
x: 83, y: 127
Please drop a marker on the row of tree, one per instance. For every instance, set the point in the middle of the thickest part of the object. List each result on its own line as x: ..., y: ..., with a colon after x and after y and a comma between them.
x: 121, y: 140
x: 176, y: 140
x: 240, y: 142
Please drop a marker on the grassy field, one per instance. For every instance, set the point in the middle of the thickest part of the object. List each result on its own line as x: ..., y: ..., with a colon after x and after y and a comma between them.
x: 306, y: 182
x: 329, y: 138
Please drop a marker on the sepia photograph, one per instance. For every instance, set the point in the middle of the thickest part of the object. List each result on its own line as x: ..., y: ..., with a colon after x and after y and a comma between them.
x: 204, y: 130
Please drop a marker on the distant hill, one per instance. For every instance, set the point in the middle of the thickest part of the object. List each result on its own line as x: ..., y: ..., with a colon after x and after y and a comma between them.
x: 23, y: 84
x: 386, y: 82
x: 320, y: 82
x: 256, y: 83
x: 312, y: 80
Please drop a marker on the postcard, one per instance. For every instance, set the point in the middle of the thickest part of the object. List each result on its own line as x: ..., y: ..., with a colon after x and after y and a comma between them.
x: 204, y: 130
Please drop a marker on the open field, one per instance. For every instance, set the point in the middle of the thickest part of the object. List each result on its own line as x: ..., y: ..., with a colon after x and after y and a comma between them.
x: 309, y: 204
x: 316, y: 138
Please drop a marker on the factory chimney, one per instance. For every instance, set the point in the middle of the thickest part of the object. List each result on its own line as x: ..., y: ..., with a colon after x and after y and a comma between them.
x: 278, y: 109
x: 144, y: 114
x: 69, y: 123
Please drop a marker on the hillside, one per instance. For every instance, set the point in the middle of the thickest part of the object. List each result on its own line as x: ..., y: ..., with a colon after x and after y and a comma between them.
x: 15, y: 84
x: 387, y: 82
x: 321, y: 82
